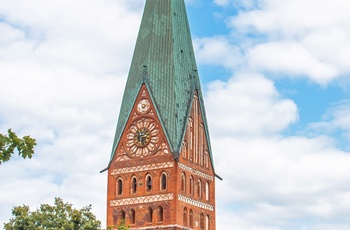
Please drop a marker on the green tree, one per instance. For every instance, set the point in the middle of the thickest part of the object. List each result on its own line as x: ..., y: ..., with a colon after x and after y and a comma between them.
x: 10, y: 142
x: 121, y: 226
x: 60, y: 216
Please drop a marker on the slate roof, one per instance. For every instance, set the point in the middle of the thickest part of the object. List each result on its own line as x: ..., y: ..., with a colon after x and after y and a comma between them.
x: 164, y: 60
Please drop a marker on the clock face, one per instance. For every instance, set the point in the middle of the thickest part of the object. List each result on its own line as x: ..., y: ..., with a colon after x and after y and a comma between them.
x: 142, y: 138
x: 143, y: 106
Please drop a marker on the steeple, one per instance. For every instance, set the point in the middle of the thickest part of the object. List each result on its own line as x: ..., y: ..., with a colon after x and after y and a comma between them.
x: 164, y: 61
x: 161, y: 173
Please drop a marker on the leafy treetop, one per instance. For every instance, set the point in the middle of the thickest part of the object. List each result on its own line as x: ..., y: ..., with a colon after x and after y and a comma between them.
x: 60, y: 216
x: 10, y: 142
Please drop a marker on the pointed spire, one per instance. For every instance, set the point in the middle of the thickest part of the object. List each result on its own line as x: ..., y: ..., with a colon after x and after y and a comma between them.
x: 164, y: 60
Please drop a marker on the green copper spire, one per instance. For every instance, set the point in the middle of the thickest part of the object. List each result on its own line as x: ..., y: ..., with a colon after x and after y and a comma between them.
x: 164, y: 60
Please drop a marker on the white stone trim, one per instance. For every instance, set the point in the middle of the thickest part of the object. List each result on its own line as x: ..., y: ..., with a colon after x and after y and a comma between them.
x: 195, y: 172
x: 142, y: 168
x: 142, y: 200
x: 195, y: 202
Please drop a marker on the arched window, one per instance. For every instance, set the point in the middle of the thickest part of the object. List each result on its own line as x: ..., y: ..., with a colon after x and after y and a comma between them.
x: 160, y: 214
x: 191, y: 218
x: 133, y: 185
x: 132, y: 216
x: 191, y: 185
x: 119, y: 186
x: 185, y: 217
x: 148, y: 183
x: 206, y: 159
x: 122, y: 215
x: 201, y: 222
x: 207, y: 222
x: 183, y: 182
x: 163, y: 181
x: 115, y: 217
x: 199, y: 188
x: 207, y: 190
x: 149, y: 215
x: 184, y: 150
x: 190, y: 140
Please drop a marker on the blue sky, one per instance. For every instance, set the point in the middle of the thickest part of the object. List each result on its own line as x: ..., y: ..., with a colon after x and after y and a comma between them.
x: 275, y: 78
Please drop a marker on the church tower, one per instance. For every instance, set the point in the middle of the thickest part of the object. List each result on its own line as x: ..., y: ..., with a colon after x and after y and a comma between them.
x: 161, y: 172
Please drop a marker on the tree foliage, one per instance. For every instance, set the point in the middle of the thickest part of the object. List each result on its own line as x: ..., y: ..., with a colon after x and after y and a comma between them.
x: 121, y: 226
x: 60, y: 216
x: 10, y: 142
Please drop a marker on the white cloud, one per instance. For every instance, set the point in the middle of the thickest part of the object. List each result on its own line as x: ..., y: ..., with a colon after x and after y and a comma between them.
x: 248, y: 105
x: 217, y: 51
x: 294, y: 38
x: 63, y: 68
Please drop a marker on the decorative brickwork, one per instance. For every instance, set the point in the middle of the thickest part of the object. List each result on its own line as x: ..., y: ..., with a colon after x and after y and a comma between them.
x: 142, y: 200
x: 142, y: 168
x: 195, y: 172
x: 195, y: 203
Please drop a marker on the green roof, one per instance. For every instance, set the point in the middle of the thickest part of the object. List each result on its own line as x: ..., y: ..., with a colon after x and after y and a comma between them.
x: 164, y: 60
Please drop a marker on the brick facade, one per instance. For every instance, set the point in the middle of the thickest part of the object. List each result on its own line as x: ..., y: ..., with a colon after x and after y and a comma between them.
x: 148, y: 186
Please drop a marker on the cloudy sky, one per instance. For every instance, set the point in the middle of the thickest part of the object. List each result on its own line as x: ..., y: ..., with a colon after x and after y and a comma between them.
x: 275, y: 78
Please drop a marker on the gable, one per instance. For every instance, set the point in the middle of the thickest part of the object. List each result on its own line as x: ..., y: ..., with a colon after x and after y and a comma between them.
x: 143, y: 135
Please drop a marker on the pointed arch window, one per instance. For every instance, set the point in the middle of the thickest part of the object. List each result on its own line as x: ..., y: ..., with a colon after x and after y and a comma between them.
x: 149, y: 215
x: 201, y: 221
x: 184, y: 218
x: 184, y: 150
x: 119, y: 186
x: 207, y: 222
x: 163, y: 181
x: 160, y: 214
x: 122, y: 215
x: 191, y: 218
x: 133, y: 184
x: 199, y: 188
x: 115, y: 216
x: 207, y: 190
x: 183, y: 182
x: 148, y: 183
x: 132, y: 216
x: 191, y: 185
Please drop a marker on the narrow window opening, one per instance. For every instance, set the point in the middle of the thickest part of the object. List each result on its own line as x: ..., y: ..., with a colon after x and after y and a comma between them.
x: 185, y: 217
x: 160, y: 214
x: 191, y: 218
x: 149, y: 183
x: 134, y: 185
x: 150, y: 215
x: 132, y: 216
x: 163, y: 181
x: 119, y: 187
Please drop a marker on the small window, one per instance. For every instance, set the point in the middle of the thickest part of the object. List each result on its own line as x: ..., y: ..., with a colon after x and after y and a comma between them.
x: 185, y: 217
x: 160, y: 214
x: 199, y: 188
x: 132, y: 216
x: 148, y: 183
x: 201, y: 222
x: 115, y: 216
x: 134, y: 185
x: 207, y: 222
x: 163, y: 181
x: 191, y: 185
x: 149, y: 215
x: 207, y: 190
x: 191, y: 218
x: 122, y: 215
x: 119, y: 186
x: 183, y: 182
